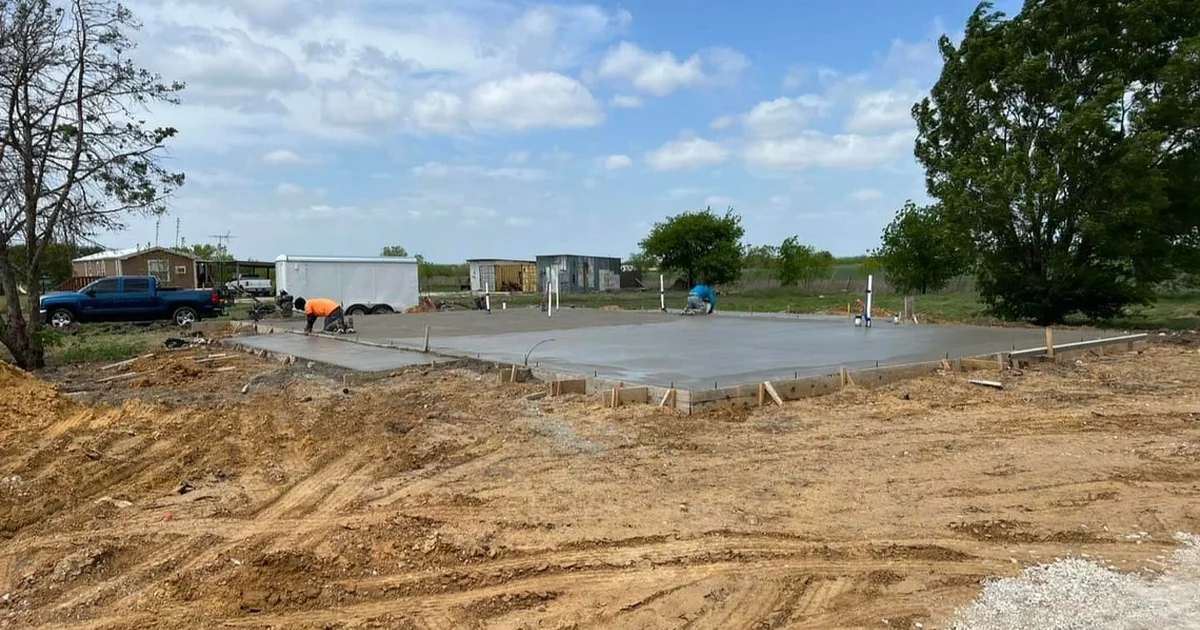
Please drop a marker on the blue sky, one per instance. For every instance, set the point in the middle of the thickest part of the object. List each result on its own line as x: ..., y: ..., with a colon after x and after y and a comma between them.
x: 478, y: 128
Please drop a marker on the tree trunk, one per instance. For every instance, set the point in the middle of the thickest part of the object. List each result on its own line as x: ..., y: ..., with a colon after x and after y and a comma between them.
x: 15, y: 332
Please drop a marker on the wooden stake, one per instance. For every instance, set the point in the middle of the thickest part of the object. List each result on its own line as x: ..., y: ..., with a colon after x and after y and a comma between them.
x: 1050, y: 342
x: 426, y: 339
x: 774, y: 394
x: 667, y: 399
x: 992, y: 384
x: 762, y: 394
x: 119, y: 377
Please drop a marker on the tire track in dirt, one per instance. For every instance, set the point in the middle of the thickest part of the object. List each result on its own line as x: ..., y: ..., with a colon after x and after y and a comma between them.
x: 427, y: 480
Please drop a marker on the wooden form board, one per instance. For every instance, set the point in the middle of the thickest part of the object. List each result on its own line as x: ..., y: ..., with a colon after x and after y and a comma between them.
x: 568, y: 386
x: 626, y: 396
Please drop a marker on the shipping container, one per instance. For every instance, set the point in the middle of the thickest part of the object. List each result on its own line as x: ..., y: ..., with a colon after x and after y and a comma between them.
x: 362, y: 285
x: 580, y: 274
x: 514, y: 276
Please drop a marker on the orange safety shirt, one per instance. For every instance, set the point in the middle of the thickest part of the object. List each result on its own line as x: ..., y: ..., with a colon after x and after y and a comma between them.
x: 320, y: 307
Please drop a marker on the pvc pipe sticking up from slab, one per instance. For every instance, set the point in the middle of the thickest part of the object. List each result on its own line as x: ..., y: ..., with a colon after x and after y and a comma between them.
x: 487, y: 296
x: 662, y: 295
x: 867, y: 314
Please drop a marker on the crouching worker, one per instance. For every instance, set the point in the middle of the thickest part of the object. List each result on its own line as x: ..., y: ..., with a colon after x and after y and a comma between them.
x: 335, y: 320
x: 701, y: 299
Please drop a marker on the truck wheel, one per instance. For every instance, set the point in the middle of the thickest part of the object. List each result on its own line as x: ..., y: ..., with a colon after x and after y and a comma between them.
x: 382, y: 309
x: 61, y: 318
x: 184, y: 316
x: 357, y: 311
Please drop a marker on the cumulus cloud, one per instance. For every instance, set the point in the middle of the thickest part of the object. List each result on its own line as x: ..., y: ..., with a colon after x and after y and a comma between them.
x: 662, y: 73
x: 812, y: 149
x: 282, y: 156
x: 432, y: 170
x: 883, y: 111
x: 686, y: 154
x: 866, y: 194
x: 535, y: 100
x: 617, y: 162
x: 627, y: 101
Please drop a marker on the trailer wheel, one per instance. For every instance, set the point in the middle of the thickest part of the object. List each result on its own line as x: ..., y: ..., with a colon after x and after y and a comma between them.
x: 184, y: 316
x: 382, y: 309
x: 357, y: 311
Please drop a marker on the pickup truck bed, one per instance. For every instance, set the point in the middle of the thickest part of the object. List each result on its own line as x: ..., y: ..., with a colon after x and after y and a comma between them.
x: 129, y: 299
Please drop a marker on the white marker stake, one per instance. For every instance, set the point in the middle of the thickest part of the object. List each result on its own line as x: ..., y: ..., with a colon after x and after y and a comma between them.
x: 867, y: 315
x: 662, y: 296
x: 549, y: 296
x: 487, y: 296
x: 557, y: 295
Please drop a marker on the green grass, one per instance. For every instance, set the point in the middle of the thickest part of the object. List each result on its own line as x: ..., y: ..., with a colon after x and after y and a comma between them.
x: 1173, y: 313
x: 108, y: 348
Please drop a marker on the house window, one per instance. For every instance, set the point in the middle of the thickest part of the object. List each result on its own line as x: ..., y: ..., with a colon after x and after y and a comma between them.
x: 180, y: 270
x: 160, y: 269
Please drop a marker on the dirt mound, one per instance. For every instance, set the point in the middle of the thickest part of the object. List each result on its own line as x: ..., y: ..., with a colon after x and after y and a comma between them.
x: 27, y: 402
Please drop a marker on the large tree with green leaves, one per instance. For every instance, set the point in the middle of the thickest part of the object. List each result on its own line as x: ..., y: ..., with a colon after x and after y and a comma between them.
x: 922, y: 250
x: 1064, y: 143
x: 702, y: 246
x: 75, y: 156
x: 797, y: 262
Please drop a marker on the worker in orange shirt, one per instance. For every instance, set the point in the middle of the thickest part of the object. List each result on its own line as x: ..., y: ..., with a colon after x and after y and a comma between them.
x: 335, y: 319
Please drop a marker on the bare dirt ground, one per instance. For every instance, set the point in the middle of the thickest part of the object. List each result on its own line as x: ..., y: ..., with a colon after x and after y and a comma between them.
x: 446, y: 500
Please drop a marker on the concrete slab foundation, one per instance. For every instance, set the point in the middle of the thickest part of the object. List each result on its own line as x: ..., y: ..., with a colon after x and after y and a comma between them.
x: 704, y: 351
x: 352, y: 356
x: 687, y: 363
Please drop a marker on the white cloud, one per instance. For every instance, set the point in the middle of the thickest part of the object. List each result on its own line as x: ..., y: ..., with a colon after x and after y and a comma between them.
x: 518, y: 221
x: 719, y: 201
x: 884, y: 111
x: 532, y: 101
x: 288, y: 190
x: 662, y: 73
x: 817, y: 150
x: 682, y: 192
x: 437, y: 111
x: 793, y: 78
x: 517, y: 157
x: 686, y: 154
x: 282, y: 156
x: 626, y: 101
x: 866, y: 194
x: 617, y: 162
x: 723, y: 122
x: 438, y: 170
x: 783, y: 116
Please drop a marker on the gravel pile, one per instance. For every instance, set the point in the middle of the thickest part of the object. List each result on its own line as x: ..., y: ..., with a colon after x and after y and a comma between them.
x: 1078, y: 594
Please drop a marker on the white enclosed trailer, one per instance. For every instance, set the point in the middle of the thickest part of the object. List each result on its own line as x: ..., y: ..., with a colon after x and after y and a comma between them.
x: 361, y: 284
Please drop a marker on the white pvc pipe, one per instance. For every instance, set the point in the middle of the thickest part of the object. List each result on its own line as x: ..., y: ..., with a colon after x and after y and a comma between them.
x: 870, y: 285
x: 557, y: 292
x: 549, y: 296
x: 487, y: 296
x: 662, y: 297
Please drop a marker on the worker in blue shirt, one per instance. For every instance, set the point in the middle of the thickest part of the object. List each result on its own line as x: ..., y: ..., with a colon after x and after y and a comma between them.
x: 701, y: 299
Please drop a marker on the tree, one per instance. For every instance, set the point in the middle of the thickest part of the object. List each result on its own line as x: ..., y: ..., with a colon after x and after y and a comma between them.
x: 761, y: 257
x: 700, y: 245
x: 640, y: 261
x: 208, y: 251
x: 394, y: 251
x: 793, y: 261
x: 1063, y: 144
x: 921, y: 250
x: 75, y: 158
x: 56, y: 261
x: 802, y: 263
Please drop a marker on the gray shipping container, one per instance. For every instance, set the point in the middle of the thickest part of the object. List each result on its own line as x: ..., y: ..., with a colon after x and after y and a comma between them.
x: 580, y: 274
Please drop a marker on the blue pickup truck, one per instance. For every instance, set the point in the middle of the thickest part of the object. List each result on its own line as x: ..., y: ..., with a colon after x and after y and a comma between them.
x: 129, y: 299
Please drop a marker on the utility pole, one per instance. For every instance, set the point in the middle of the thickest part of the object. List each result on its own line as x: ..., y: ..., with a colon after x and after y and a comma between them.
x: 178, y: 243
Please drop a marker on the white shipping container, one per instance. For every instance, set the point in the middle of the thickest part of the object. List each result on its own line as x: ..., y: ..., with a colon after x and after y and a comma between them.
x: 361, y: 284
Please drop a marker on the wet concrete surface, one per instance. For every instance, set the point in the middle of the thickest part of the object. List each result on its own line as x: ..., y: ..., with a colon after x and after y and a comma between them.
x: 352, y: 356
x: 696, y: 352
x: 703, y: 352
